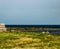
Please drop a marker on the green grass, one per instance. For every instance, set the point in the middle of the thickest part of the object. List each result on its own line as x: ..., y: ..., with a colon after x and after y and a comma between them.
x: 28, y: 40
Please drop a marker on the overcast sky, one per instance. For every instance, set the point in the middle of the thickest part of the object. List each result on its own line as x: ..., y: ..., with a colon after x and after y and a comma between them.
x: 30, y: 12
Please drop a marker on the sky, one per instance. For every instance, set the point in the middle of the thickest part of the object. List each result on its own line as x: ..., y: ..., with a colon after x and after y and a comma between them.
x: 30, y: 12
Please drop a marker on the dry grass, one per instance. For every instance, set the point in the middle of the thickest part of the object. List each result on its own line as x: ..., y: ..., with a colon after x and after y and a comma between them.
x: 28, y: 40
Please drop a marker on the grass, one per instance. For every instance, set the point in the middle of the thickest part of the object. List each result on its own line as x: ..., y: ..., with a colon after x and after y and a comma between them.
x: 29, y: 40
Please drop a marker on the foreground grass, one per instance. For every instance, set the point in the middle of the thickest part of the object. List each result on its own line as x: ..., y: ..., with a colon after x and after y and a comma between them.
x: 28, y: 40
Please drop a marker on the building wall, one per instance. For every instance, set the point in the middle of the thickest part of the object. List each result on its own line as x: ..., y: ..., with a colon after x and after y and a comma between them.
x: 2, y: 27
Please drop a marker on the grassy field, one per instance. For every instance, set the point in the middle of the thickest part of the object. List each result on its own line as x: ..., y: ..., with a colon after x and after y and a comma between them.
x: 29, y: 40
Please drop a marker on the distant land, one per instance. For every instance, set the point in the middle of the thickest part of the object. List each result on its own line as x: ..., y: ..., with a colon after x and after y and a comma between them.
x: 43, y: 26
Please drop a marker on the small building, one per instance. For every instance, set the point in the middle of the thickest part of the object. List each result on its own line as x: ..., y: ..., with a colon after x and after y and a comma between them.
x: 2, y: 27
